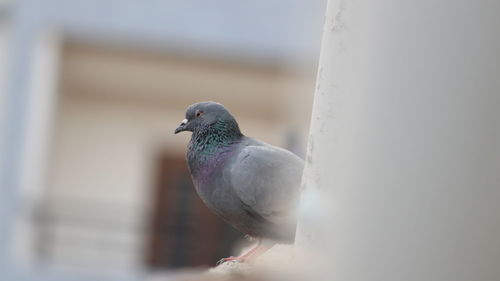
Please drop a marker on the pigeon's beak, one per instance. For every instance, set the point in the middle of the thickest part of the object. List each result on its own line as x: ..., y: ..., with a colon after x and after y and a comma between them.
x: 182, y: 127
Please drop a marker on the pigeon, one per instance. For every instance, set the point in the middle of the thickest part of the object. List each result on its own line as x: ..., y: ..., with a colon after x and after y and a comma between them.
x: 252, y: 185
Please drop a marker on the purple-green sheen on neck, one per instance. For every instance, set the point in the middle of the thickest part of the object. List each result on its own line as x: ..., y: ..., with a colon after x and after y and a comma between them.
x: 210, y: 146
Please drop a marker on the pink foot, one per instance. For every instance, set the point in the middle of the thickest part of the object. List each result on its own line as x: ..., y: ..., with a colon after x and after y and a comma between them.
x: 252, y: 253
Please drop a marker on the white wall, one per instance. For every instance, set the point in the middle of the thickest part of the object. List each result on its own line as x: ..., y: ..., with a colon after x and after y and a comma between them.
x: 404, y: 157
x: 104, y: 150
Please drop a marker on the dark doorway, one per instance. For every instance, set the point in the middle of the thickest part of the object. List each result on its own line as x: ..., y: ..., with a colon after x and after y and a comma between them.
x: 184, y: 231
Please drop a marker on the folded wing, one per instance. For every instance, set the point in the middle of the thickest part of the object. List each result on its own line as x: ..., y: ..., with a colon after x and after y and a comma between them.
x: 267, y: 181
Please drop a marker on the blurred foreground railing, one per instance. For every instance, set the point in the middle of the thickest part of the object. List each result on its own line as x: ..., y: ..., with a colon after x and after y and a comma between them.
x: 88, y: 235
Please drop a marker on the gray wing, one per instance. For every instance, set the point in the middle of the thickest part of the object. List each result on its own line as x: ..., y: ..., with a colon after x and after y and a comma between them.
x: 267, y: 181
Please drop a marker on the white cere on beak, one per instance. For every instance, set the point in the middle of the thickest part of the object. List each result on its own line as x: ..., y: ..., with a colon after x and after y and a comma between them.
x: 184, y: 122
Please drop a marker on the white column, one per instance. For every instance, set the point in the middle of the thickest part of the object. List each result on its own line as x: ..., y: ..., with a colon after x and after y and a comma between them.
x: 36, y: 144
x: 403, y: 168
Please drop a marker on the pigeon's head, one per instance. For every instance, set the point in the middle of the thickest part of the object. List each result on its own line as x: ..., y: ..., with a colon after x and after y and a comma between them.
x: 204, y: 115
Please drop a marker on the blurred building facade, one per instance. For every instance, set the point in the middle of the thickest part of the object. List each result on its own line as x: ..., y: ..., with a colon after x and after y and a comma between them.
x: 95, y: 177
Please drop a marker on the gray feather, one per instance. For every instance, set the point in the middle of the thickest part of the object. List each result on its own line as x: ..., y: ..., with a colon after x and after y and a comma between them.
x: 266, y: 180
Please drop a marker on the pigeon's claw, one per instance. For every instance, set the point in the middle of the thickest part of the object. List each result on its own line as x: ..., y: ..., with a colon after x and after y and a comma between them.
x: 231, y: 258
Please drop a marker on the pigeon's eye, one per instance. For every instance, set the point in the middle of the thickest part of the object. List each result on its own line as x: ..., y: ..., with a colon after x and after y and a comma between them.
x: 198, y: 113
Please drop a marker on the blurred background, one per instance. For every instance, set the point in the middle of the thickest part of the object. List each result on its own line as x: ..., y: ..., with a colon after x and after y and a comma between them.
x: 93, y: 181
